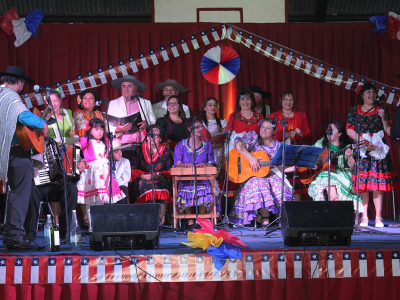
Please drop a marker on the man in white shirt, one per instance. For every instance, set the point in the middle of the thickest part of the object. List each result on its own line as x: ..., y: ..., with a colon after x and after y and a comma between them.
x: 169, y: 87
x: 122, y: 173
x: 128, y: 104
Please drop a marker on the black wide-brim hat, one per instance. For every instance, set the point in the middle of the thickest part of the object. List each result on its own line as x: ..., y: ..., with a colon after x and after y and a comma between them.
x: 171, y: 82
x: 16, y: 72
x: 128, y: 78
x: 259, y: 90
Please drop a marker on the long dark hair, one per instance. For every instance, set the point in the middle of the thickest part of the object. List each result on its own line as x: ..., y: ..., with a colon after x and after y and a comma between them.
x: 181, y: 113
x: 250, y: 94
x: 365, y: 87
x: 94, y: 123
x: 203, y: 114
x: 189, y: 124
x: 344, y: 140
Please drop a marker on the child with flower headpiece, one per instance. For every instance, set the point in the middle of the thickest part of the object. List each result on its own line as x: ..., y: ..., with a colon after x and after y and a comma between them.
x: 88, y: 109
x: 94, y: 184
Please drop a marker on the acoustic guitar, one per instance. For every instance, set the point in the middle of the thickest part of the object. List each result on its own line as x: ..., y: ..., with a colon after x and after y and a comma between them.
x: 31, y: 139
x: 307, y: 175
x: 240, y: 169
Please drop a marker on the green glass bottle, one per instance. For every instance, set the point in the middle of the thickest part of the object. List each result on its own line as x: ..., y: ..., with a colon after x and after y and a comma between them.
x: 55, y: 237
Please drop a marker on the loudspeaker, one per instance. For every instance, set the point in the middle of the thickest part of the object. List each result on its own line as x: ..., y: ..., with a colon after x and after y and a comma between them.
x: 125, y: 226
x: 317, y: 223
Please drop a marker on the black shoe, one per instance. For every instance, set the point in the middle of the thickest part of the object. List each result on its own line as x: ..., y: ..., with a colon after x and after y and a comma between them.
x: 20, y: 246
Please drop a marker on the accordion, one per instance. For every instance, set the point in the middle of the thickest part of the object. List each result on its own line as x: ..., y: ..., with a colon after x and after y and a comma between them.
x: 51, y: 171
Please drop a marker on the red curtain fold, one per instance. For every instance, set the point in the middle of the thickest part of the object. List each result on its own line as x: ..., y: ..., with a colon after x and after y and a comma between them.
x: 67, y: 50
x: 281, y: 289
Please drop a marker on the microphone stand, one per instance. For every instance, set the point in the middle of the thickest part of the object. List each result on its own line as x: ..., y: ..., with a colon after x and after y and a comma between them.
x: 329, y: 135
x: 111, y: 152
x: 62, y: 148
x: 284, y: 124
x: 193, y: 130
x: 225, y: 220
x: 150, y: 134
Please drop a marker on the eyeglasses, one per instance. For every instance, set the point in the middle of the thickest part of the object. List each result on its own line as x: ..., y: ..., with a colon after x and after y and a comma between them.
x: 157, y: 135
x: 288, y: 100
x: 198, y: 127
x: 213, y: 105
x: 173, y: 103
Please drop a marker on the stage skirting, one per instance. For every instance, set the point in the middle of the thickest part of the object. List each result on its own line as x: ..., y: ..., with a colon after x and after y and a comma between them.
x: 254, y: 265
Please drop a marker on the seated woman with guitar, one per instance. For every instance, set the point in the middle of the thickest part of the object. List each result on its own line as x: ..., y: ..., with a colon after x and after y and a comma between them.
x: 341, y: 168
x: 262, y: 194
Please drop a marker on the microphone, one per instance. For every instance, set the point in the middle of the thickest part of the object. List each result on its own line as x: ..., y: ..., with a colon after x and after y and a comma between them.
x: 274, y: 119
x: 37, y: 88
x: 379, y: 99
x: 329, y: 130
x: 137, y: 97
x: 98, y: 103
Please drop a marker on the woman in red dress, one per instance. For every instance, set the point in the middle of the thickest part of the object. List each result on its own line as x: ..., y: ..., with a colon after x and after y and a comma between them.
x: 297, y: 131
x: 245, y: 119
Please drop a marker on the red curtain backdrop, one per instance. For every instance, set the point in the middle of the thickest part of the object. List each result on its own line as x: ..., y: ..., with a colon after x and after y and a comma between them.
x: 280, y: 289
x: 66, y: 50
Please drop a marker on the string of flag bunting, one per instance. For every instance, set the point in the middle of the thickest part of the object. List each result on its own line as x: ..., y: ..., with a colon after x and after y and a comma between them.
x: 307, y: 64
x: 258, y: 265
x: 132, y: 64
x: 289, y: 57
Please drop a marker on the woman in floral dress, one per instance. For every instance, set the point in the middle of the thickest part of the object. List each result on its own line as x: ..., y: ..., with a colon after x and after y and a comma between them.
x: 376, y: 168
x: 262, y: 194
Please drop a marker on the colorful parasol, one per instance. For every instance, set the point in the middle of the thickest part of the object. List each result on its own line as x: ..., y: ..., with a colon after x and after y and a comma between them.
x: 220, y: 65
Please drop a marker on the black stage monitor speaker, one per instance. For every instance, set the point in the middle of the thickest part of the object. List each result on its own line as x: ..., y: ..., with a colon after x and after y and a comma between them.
x: 125, y: 226
x: 317, y: 223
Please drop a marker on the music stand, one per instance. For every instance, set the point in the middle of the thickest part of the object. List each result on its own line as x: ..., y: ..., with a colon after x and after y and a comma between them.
x: 296, y: 156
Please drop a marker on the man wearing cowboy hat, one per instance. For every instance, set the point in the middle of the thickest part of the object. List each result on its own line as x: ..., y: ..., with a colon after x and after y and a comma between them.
x: 169, y: 87
x: 127, y: 104
x: 16, y: 166
x: 260, y: 95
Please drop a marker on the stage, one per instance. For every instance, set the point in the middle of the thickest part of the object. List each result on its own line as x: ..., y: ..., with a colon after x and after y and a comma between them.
x: 369, y: 267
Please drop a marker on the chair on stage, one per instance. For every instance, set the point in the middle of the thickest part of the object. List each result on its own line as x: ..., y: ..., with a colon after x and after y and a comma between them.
x: 187, y: 174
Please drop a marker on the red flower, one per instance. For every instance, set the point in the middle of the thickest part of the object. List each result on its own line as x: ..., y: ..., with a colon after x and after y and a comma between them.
x: 101, y: 176
x: 358, y: 90
x: 89, y: 182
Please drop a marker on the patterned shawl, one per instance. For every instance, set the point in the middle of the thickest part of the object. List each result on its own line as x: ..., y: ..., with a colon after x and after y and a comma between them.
x: 11, y: 106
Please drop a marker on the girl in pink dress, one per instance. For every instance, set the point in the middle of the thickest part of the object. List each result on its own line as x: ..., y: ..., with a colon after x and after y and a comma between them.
x: 94, y: 184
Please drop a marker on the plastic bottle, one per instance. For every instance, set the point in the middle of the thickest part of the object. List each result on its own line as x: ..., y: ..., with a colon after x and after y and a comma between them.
x: 75, y: 233
x: 47, y: 237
